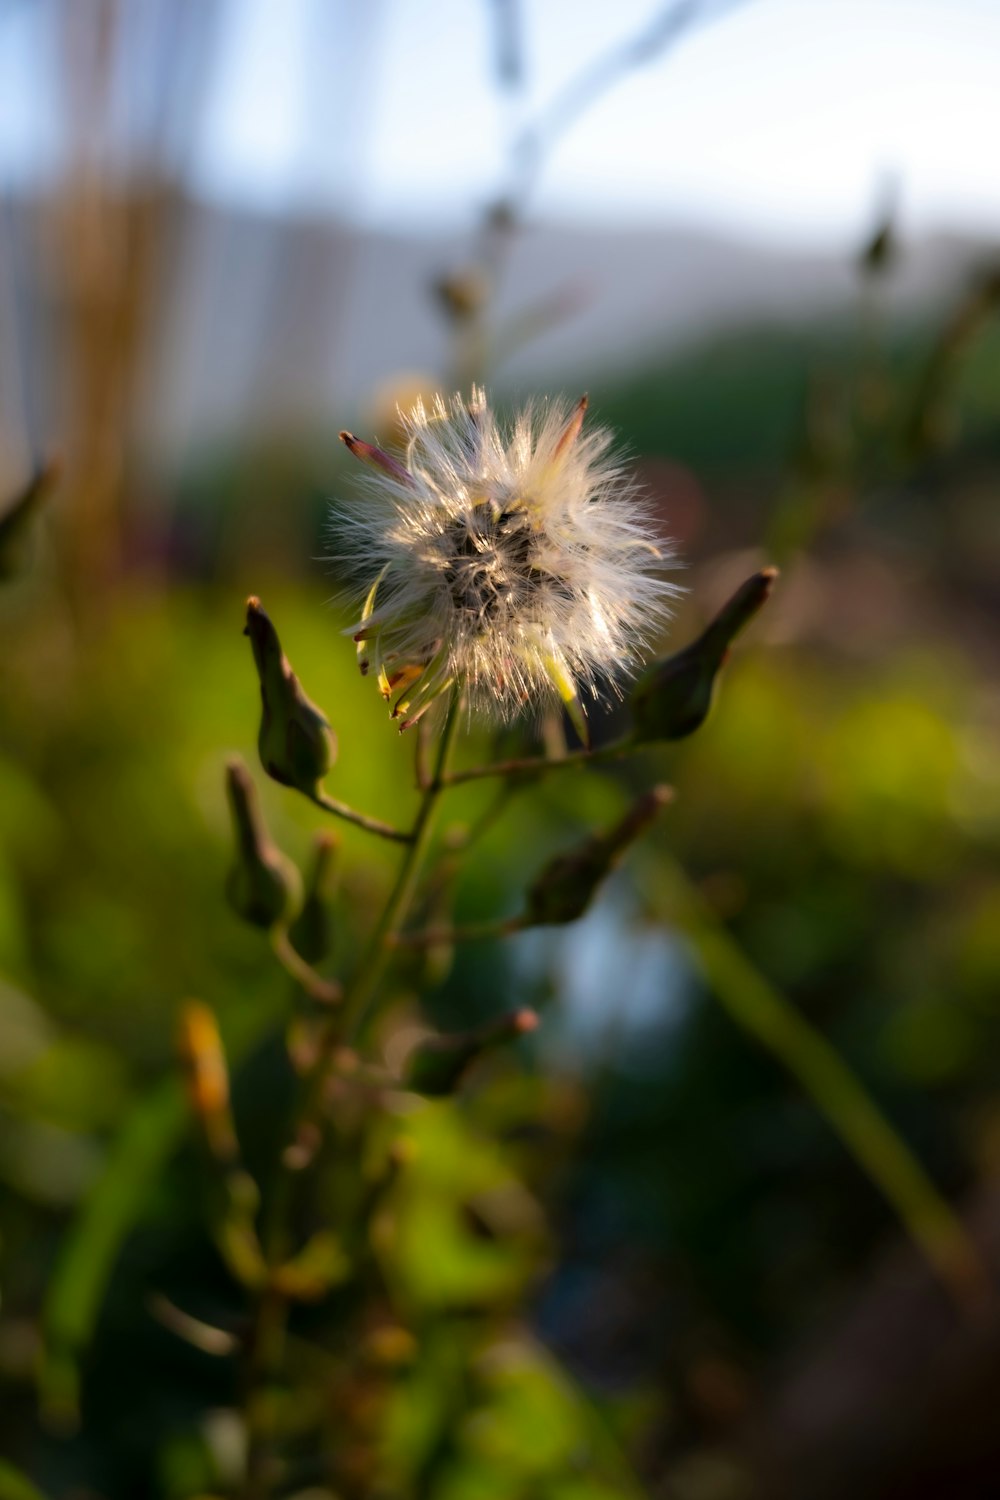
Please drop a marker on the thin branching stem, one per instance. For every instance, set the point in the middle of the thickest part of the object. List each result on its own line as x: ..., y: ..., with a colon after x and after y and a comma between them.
x: 323, y: 991
x: 362, y: 991
x: 421, y: 771
x: 755, y: 1005
x: 541, y: 765
x: 361, y: 820
x: 470, y: 932
x: 360, y: 1001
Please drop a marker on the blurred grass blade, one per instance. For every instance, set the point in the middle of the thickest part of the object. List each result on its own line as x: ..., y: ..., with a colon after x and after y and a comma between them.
x: 91, y: 1247
x: 761, y: 1010
x: 15, y: 1486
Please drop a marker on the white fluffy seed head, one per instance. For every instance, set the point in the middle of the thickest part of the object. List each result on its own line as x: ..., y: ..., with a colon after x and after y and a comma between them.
x: 520, y: 566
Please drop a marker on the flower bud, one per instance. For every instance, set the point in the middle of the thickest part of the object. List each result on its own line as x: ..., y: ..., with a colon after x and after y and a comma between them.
x: 311, y: 932
x: 437, y: 1065
x: 320, y: 1265
x: 207, y: 1078
x: 16, y: 519
x: 296, y: 744
x: 263, y: 886
x: 672, y: 697
x: 565, y: 887
x: 462, y: 294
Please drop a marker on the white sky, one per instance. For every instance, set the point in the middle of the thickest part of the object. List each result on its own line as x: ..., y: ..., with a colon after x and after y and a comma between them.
x: 782, y: 120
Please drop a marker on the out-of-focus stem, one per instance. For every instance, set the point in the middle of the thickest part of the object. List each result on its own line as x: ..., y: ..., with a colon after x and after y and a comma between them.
x: 754, y: 1004
x: 471, y: 932
x: 540, y: 765
x: 361, y: 820
x: 420, y: 770
x: 264, y: 1356
x: 324, y: 991
x: 361, y: 993
x: 359, y: 1004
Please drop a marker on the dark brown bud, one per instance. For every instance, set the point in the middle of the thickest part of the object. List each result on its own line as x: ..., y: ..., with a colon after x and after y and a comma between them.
x: 17, y: 517
x: 437, y: 1065
x: 263, y: 886
x: 311, y: 933
x: 565, y: 887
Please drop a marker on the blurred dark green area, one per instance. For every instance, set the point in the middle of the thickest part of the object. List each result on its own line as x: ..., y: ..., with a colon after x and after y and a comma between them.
x: 689, y: 1233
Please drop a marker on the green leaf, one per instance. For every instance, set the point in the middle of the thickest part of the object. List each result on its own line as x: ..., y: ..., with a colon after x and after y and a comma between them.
x: 15, y: 1486
x: 92, y: 1244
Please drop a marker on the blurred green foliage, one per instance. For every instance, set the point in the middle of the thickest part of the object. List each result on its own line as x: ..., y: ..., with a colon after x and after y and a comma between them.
x: 839, y: 816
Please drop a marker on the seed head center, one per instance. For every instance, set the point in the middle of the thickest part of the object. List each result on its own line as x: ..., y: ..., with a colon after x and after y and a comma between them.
x: 490, y: 565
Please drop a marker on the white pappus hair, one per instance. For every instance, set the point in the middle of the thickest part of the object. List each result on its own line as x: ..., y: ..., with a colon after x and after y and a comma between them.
x: 517, y: 566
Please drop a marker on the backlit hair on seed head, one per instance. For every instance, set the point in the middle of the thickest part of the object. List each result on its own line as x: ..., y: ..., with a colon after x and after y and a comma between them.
x: 518, y: 565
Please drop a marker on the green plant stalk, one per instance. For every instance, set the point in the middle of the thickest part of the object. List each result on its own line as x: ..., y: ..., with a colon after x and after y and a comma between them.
x: 360, y: 1000
x: 472, y: 932
x: 16, y: 1486
x: 265, y: 1347
x: 360, y: 820
x: 540, y: 765
x: 323, y: 991
x: 263, y: 1357
x: 756, y: 1006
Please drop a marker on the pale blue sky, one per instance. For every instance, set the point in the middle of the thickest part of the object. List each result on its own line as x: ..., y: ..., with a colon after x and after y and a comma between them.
x: 779, y: 121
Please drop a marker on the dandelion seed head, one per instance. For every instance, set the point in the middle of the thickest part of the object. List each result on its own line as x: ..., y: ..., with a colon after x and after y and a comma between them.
x: 520, y: 565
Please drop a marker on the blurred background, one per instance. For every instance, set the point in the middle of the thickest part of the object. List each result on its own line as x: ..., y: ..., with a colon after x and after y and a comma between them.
x: 763, y: 235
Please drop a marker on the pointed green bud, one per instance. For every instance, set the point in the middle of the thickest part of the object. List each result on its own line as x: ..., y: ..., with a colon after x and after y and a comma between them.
x: 263, y: 886
x: 296, y: 744
x: 16, y: 519
x: 565, y: 887
x: 437, y: 1065
x: 672, y: 697
x: 311, y: 932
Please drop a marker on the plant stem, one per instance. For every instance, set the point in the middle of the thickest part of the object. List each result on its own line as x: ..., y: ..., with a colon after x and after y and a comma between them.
x: 760, y: 1009
x: 360, y: 1000
x: 471, y: 932
x: 263, y: 1358
x: 360, y: 820
x: 360, y: 996
x: 540, y: 765
x: 323, y: 991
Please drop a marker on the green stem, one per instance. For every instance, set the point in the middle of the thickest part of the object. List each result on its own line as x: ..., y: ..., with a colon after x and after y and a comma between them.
x: 361, y: 994
x: 360, y: 820
x: 540, y: 765
x: 760, y: 1009
x: 264, y: 1356
x: 323, y: 991
x: 471, y: 932
x: 359, y: 1004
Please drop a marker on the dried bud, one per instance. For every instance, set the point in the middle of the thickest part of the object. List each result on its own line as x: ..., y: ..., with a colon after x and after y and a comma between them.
x: 311, y: 933
x: 437, y: 1065
x: 296, y: 744
x: 672, y: 697
x: 462, y: 294
x: 565, y: 887
x: 263, y: 886
x: 16, y: 519
x: 207, y: 1078
x: 320, y: 1265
